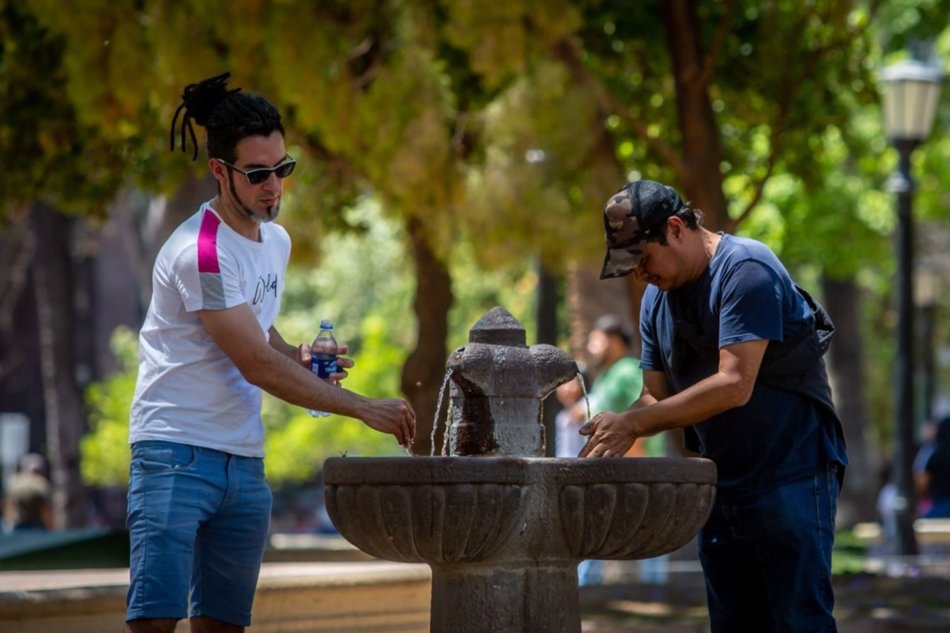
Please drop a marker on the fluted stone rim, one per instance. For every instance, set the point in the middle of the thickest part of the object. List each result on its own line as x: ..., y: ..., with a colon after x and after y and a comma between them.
x: 448, y: 523
x: 632, y: 520
x: 445, y: 510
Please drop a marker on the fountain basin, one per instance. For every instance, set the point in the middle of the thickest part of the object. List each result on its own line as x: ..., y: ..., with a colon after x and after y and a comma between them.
x: 450, y: 510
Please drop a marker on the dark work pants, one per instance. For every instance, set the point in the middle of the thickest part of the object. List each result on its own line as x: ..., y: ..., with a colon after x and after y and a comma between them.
x: 767, y: 562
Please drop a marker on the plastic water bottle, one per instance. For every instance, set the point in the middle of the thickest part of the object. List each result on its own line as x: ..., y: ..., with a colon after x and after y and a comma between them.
x: 323, y: 355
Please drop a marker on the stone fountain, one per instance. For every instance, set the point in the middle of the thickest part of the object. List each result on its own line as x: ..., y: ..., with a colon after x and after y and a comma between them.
x: 502, y: 527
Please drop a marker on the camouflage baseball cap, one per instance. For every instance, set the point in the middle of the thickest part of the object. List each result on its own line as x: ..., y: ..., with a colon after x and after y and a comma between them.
x: 635, y: 209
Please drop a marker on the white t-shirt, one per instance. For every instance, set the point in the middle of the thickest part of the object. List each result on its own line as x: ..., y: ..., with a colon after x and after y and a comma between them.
x: 188, y: 391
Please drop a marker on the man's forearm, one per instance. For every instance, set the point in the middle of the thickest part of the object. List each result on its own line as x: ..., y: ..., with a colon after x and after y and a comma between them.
x: 699, y: 402
x: 285, y: 378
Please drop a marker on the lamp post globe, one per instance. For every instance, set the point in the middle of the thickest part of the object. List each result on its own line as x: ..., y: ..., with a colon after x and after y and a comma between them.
x: 911, y: 91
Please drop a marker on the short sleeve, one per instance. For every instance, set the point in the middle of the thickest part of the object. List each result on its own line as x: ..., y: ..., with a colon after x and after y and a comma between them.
x: 209, y: 276
x: 649, y: 354
x: 751, y: 305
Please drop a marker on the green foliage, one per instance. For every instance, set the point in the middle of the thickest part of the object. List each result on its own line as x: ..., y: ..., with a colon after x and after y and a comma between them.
x: 47, y: 149
x: 909, y: 22
x: 105, y: 449
x: 542, y: 173
x: 364, y: 285
x: 364, y: 270
x: 297, y: 444
x: 502, y: 38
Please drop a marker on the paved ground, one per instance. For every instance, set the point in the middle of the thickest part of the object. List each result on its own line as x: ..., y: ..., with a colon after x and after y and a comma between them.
x: 896, y: 600
x: 865, y: 603
x: 45, y: 580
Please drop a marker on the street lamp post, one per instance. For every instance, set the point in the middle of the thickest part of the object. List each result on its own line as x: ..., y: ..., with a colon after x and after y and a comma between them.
x: 911, y: 91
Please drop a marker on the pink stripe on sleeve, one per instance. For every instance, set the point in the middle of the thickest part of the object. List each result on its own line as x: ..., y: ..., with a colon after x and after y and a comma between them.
x: 208, y: 244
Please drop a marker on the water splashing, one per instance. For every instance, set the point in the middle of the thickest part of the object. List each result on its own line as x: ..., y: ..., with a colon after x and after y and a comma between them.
x: 435, y: 421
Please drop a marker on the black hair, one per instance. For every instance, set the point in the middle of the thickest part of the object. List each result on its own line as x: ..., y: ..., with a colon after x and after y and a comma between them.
x: 691, y: 217
x: 228, y: 116
x: 612, y: 325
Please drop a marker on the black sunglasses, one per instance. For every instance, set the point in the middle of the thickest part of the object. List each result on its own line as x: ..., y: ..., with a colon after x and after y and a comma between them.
x: 261, y: 174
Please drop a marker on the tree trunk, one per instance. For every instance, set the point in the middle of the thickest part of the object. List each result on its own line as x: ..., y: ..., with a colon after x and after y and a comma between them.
x: 423, y: 371
x: 20, y: 377
x: 62, y: 398
x: 846, y: 369
x: 701, y: 150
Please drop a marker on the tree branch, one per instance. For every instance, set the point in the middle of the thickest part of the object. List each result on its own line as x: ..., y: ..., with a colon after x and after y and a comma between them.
x: 565, y: 50
x: 760, y: 185
x: 338, y: 164
x: 719, y: 41
x: 667, y: 151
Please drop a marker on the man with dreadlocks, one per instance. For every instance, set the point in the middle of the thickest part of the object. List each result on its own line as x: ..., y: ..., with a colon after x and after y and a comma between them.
x: 199, y: 506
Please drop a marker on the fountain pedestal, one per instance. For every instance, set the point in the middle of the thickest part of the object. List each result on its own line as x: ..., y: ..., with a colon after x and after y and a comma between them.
x: 502, y: 533
x: 487, y: 597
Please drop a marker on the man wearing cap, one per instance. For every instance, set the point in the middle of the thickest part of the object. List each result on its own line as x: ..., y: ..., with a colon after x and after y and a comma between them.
x: 732, y: 353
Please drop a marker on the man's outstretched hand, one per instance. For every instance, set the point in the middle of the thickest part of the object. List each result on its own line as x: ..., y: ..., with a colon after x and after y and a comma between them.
x: 608, y: 435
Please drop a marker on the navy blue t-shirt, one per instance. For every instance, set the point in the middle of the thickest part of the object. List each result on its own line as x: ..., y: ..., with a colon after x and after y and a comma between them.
x: 745, y: 294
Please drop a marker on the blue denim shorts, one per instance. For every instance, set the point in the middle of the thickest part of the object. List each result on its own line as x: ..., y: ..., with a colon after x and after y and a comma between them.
x: 767, y: 562
x: 198, y: 522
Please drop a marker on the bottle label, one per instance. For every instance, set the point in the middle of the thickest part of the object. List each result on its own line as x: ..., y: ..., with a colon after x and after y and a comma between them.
x: 323, y: 365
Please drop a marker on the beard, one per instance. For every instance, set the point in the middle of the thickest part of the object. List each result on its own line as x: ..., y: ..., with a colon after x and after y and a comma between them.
x: 272, y: 211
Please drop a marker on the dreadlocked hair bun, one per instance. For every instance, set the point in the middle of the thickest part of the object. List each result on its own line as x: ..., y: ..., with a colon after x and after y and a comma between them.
x: 198, y: 102
x: 228, y: 116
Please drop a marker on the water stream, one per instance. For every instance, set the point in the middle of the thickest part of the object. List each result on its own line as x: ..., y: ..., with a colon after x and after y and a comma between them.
x: 435, y: 421
x: 580, y: 381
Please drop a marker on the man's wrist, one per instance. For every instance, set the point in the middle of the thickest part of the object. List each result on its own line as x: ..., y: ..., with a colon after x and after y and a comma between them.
x: 357, y: 406
x: 638, y: 422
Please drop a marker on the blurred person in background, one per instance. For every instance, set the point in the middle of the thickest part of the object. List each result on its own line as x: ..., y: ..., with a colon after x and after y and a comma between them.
x: 28, y: 506
x: 618, y: 378
x: 936, y: 477
x: 568, y: 442
x: 928, y: 444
